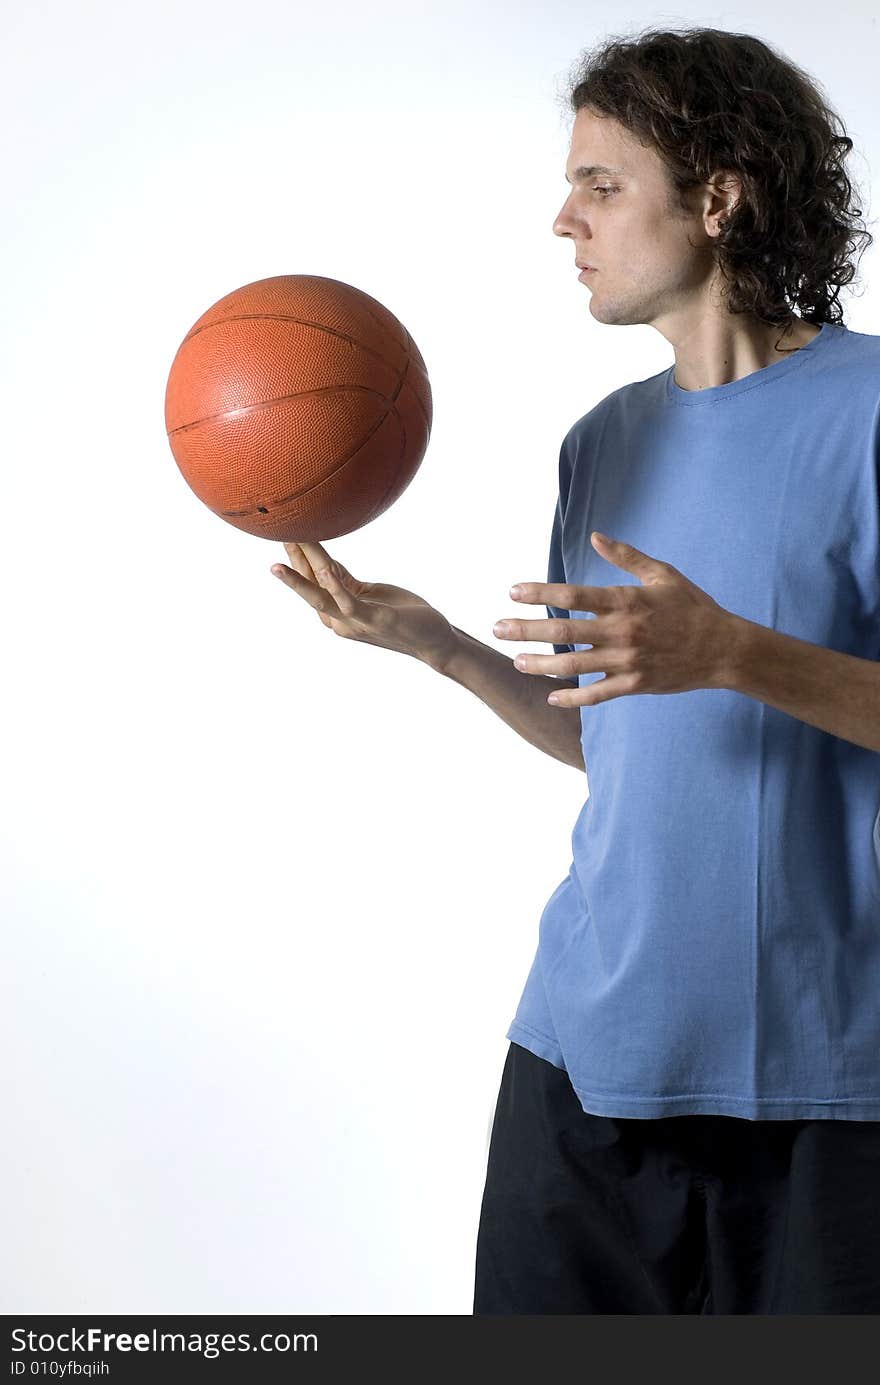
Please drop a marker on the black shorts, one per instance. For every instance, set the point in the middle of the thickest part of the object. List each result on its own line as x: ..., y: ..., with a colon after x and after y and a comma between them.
x: 685, y: 1214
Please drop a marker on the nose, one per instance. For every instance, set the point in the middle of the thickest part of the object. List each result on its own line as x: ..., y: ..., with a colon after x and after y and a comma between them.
x: 561, y: 222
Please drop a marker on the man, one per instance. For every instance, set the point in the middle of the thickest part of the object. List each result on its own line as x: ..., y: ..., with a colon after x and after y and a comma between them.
x: 689, y: 1114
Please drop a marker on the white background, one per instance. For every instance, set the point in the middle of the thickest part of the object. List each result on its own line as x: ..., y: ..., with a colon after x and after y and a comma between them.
x: 269, y: 896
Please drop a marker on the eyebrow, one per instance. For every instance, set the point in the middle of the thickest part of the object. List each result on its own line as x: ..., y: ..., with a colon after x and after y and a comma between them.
x: 587, y: 171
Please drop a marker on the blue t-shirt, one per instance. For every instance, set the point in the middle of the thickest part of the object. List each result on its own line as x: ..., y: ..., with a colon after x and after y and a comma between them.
x: 715, y: 946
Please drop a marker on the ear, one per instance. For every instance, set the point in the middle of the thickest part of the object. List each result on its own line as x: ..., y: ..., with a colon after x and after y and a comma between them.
x: 721, y: 197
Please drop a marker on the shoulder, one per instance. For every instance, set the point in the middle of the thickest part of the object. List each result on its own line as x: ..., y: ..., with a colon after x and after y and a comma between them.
x: 852, y: 363
x: 616, y: 406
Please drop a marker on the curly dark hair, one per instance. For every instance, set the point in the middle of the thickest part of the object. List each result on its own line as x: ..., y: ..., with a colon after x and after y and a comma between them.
x: 712, y: 102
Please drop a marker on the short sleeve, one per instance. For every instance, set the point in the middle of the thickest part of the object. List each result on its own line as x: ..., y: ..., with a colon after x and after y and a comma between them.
x: 555, y: 563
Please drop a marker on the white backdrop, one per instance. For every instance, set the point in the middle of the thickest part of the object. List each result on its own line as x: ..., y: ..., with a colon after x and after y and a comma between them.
x: 269, y: 896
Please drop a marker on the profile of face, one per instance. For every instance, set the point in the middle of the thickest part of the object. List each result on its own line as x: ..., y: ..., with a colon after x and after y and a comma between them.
x: 653, y: 262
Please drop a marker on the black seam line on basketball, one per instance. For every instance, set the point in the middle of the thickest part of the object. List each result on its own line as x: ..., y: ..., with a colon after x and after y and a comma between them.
x: 410, y: 347
x: 377, y: 509
x: 410, y: 344
x: 300, y: 495
x: 274, y: 317
x: 301, y: 321
x: 182, y: 427
x: 279, y: 399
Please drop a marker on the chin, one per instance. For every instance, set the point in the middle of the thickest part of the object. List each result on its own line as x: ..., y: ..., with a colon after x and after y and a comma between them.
x: 613, y: 315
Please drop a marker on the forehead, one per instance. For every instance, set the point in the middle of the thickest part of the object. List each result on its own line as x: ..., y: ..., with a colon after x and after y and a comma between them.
x: 600, y: 145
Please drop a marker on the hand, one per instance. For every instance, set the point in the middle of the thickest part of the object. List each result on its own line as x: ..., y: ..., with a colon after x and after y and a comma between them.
x: 665, y: 636
x: 371, y: 612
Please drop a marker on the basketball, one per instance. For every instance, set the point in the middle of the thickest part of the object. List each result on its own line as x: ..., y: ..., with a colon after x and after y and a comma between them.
x: 298, y: 408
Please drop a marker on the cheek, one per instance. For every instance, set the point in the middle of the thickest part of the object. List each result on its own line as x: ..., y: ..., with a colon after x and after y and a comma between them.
x: 656, y: 254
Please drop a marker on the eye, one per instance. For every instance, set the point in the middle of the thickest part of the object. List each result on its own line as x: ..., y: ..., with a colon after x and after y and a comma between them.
x: 607, y: 190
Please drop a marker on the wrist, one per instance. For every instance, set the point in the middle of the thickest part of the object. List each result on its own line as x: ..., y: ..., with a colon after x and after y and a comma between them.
x: 439, y: 658
x: 736, y: 642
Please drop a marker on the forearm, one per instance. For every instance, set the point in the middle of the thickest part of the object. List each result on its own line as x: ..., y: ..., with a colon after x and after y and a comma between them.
x: 838, y: 693
x: 520, y: 699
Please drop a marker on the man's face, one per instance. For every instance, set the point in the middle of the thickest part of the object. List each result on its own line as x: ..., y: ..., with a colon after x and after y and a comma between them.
x: 624, y: 224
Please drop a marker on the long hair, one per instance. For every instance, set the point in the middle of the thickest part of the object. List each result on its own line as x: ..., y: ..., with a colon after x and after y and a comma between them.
x: 710, y: 102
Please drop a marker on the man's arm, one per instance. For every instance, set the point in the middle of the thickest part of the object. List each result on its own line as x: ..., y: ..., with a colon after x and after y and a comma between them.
x: 520, y: 699
x: 838, y: 693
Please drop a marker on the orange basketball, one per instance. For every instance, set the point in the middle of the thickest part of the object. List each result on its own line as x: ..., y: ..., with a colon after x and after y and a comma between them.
x: 298, y: 408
